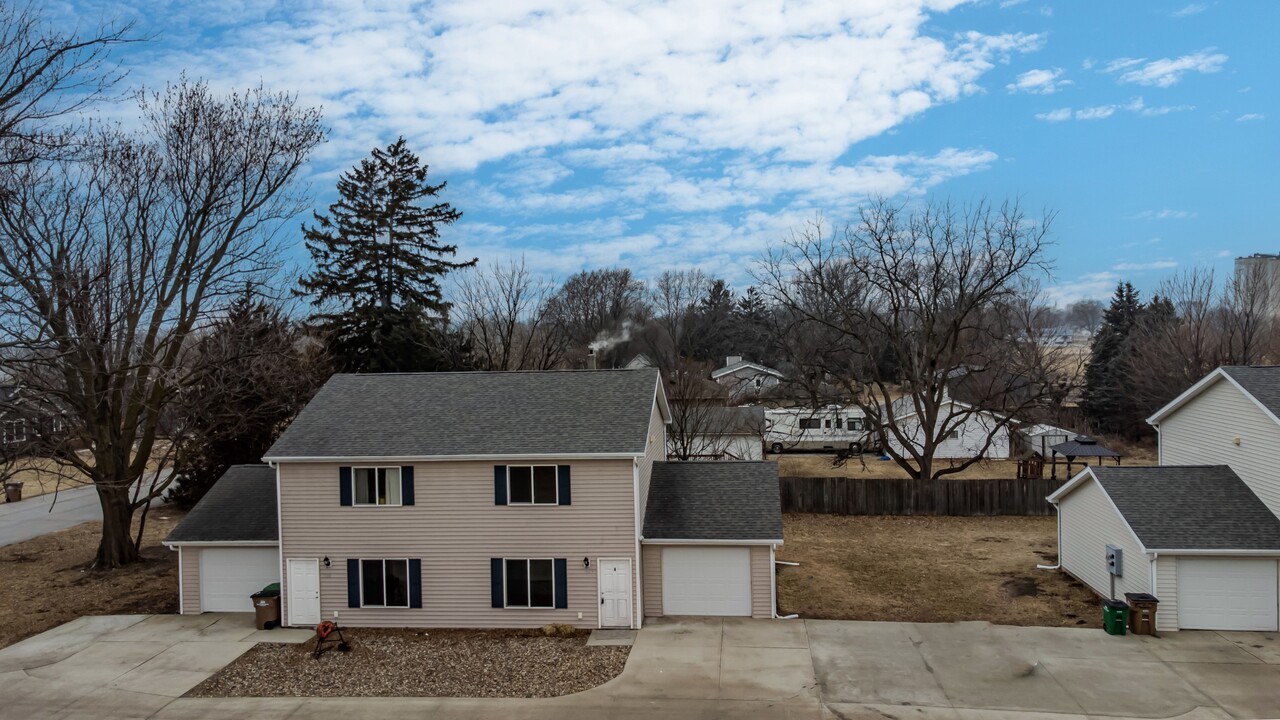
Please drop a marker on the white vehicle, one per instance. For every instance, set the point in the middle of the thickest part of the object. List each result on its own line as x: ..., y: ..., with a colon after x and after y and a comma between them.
x: 829, y: 428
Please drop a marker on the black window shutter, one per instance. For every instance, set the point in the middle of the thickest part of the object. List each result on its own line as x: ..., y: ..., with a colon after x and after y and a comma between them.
x: 406, y: 485
x: 499, y: 486
x: 562, y: 582
x: 562, y: 477
x: 495, y: 582
x: 353, y: 582
x: 344, y: 485
x: 415, y: 583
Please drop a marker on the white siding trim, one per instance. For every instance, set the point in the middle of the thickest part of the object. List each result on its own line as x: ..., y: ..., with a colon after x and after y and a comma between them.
x: 182, y: 595
x: 1199, y: 387
x: 1261, y: 553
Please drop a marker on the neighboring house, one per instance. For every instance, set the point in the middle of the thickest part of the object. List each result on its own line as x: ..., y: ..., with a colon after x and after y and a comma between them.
x: 639, y: 362
x: 965, y: 440
x: 504, y: 499
x: 717, y: 433
x: 1205, y: 540
x: 1039, y: 439
x: 746, y: 379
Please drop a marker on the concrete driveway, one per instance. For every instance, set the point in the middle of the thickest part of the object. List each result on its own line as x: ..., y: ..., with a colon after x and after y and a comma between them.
x: 136, y: 667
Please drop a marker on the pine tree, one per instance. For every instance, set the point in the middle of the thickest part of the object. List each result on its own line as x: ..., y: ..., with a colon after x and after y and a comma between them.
x: 379, y: 266
x: 1107, y: 401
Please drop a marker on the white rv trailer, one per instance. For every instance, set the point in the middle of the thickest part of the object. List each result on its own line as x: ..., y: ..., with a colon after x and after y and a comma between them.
x: 828, y: 428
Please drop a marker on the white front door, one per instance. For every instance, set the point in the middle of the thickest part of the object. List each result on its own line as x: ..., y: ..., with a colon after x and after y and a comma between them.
x: 304, y: 591
x: 706, y: 580
x: 229, y: 575
x: 615, y: 593
x: 1224, y: 593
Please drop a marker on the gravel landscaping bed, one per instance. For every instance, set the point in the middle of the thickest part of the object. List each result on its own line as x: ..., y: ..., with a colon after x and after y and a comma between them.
x: 436, y: 663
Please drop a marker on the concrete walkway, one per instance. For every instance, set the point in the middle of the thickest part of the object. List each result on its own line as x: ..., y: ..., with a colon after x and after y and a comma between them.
x: 137, y: 667
x: 42, y: 514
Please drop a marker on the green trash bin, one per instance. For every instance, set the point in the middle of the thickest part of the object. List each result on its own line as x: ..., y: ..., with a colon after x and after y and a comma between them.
x: 1115, y: 616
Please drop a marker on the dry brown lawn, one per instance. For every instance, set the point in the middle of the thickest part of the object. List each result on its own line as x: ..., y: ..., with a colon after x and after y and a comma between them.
x: 46, y: 581
x: 929, y: 569
x: 40, y: 475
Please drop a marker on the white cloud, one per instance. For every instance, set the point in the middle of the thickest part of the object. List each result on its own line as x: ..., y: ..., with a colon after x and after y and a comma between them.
x: 1142, y: 266
x: 1101, y: 112
x: 1165, y: 214
x: 1055, y: 115
x: 1165, y: 72
x: 1038, y: 82
x: 1250, y: 117
x: 1188, y: 10
x: 1091, y: 286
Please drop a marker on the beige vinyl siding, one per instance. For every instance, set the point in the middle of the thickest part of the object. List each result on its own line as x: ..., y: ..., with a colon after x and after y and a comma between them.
x: 454, y: 528
x: 652, y: 571
x: 1089, y: 522
x: 1202, y: 431
x: 189, y: 560
x: 1167, y: 593
x: 761, y: 599
x: 655, y: 450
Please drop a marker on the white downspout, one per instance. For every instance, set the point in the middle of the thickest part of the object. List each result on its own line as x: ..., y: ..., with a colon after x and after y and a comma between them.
x: 1058, y: 566
x: 774, y: 562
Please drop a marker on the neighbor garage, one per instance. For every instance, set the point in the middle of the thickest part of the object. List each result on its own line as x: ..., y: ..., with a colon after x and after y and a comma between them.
x: 228, y: 545
x: 710, y: 532
x: 1196, y: 537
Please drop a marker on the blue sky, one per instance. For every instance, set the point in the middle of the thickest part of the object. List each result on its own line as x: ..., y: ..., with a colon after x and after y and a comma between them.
x: 669, y: 135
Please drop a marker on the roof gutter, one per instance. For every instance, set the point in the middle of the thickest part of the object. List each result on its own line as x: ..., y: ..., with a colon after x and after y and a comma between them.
x: 1264, y: 553
x: 241, y: 543
x: 273, y: 459
x: 670, y: 541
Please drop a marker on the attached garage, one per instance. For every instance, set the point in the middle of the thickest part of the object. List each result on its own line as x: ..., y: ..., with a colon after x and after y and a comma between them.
x: 710, y: 532
x: 229, y: 575
x: 228, y: 545
x: 1227, y: 593
x: 706, y: 581
x: 1196, y: 537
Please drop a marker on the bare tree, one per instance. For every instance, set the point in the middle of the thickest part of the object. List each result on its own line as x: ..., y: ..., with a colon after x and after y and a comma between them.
x: 909, y: 303
x: 674, y: 298
x: 598, y: 308
x: 1250, y: 304
x: 703, y: 426
x: 111, y: 264
x: 46, y: 76
x: 507, y: 316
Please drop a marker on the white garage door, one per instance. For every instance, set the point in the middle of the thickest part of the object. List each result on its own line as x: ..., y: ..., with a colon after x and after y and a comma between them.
x: 228, y: 576
x: 1226, y: 594
x: 706, y: 581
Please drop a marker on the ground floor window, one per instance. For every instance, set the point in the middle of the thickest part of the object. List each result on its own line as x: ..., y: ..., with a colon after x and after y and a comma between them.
x: 530, y: 583
x: 384, y: 583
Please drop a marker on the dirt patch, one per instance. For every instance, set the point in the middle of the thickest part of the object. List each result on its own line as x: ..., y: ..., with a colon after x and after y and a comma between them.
x: 437, y: 663
x: 47, y: 581
x: 929, y: 569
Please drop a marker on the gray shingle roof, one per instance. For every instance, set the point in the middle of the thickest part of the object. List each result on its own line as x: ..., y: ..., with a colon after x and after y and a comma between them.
x: 474, y: 413
x: 1074, y: 448
x: 1260, y: 381
x: 241, y: 506
x: 743, y: 365
x: 1175, y: 507
x: 714, y: 501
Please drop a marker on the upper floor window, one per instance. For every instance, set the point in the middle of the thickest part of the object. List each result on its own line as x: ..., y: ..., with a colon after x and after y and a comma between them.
x: 376, y: 485
x: 532, y: 485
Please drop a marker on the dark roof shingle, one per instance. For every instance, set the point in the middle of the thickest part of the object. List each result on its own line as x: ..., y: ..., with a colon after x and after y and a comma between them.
x: 474, y: 413
x: 240, y: 507
x: 1175, y: 507
x: 1260, y: 381
x: 714, y: 501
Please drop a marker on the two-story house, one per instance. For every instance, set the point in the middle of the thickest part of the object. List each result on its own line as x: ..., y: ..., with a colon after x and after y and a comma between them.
x: 1201, y: 531
x: 485, y: 499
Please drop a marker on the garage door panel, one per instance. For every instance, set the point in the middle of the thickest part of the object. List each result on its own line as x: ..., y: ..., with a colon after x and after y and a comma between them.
x: 706, y: 581
x: 228, y: 576
x: 1227, y: 594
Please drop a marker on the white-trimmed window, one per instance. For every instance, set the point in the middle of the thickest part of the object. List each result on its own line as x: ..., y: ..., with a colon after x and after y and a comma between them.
x: 376, y: 485
x: 529, y: 583
x: 532, y: 485
x: 384, y: 583
x: 15, y: 431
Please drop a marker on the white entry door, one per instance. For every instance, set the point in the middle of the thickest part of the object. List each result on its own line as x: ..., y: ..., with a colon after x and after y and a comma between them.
x: 615, y: 593
x: 706, y: 581
x: 304, y: 591
x: 229, y: 575
x: 1223, y: 593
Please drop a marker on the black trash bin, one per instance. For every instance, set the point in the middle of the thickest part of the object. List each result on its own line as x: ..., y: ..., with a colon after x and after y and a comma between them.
x: 266, y: 607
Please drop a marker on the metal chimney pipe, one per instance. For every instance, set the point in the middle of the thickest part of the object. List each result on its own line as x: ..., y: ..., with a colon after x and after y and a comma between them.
x: 591, y: 359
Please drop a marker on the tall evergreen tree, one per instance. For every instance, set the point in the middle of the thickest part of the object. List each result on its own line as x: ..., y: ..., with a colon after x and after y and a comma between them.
x: 379, y: 266
x: 1107, y: 401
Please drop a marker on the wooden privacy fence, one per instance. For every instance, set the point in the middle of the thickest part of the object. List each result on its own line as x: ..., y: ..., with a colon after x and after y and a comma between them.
x: 865, y: 496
